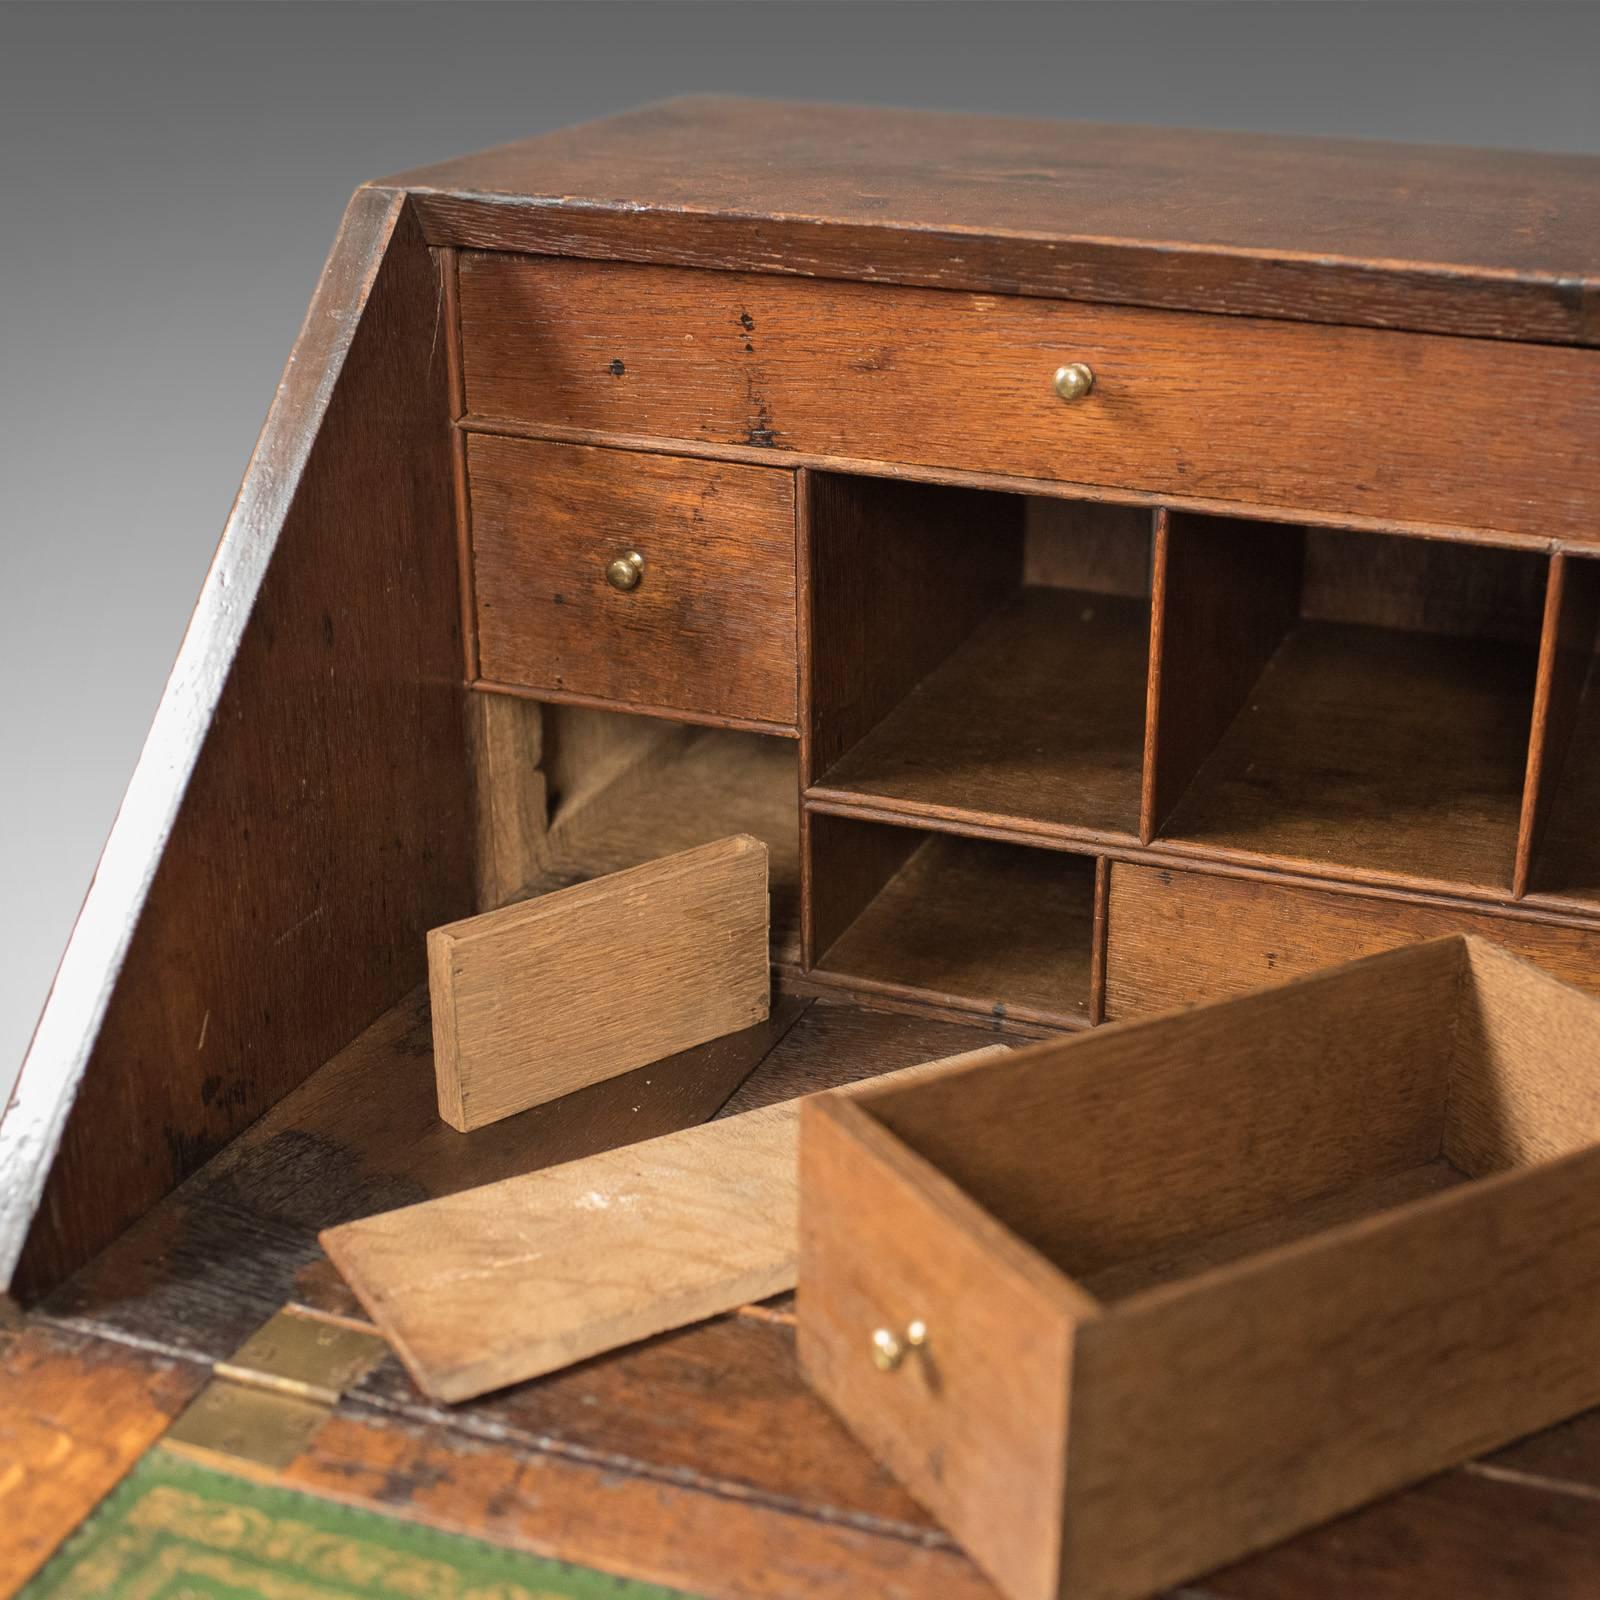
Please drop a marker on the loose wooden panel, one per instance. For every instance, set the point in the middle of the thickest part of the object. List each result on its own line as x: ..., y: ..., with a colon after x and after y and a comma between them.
x: 1325, y: 229
x: 301, y: 812
x: 552, y: 994
x: 1566, y: 661
x: 1287, y: 416
x: 1224, y: 594
x: 710, y: 627
x: 1376, y: 755
x: 520, y: 1278
x: 1035, y: 722
x: 1177, y: 938
x: 970, y: 923
x: 75, y: 1414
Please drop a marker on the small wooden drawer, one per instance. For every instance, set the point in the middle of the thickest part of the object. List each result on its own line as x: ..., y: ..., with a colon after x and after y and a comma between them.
x: 1176, y: 938
x: 707, y: 628
x: 1342, y: 422
x: 1123, y: 1308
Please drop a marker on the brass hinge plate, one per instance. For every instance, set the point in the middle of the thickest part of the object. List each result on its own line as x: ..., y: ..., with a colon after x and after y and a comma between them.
x: 273, y: 1393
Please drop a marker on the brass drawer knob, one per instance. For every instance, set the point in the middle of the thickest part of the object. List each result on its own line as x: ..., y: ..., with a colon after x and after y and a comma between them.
x: 889, y: 1349
x: 1073, y: 381
x: 625, y: 572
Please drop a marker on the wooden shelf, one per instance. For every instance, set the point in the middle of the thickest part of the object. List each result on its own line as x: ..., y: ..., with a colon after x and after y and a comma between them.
x: 1035, y: 722
x: 978, y: 925
x: 1382, y: 754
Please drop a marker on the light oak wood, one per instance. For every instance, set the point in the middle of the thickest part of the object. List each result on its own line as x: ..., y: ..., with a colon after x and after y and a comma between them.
x: 1265, y: 413
x: 549, y: 995
x: 521, y: 1278
x: 1176, y: 938
x: 1343, y: 1234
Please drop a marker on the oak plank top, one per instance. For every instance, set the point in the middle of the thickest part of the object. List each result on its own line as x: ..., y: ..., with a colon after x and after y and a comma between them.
x: 1500, y: 244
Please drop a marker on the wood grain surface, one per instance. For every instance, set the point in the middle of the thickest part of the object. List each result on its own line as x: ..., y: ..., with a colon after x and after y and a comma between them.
x: 1325, y: 229
x: 997, y: 928
x: 710, y: 627
x: 301, y: 812
x: 1036, y: 719
x: 552, y: 994
x: 509, y: 1282
x: 1407, y: 1318
x: 1263, y: 414
x: 1175, y: 939
x: 75, y: 1414
x: 1376, y: 755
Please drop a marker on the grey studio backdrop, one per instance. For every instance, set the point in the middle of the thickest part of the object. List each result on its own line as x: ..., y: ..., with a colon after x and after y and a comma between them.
x: 171, y: 177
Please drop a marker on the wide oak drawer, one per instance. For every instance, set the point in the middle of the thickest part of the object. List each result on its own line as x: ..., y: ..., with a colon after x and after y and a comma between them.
x: 1342, y: 422
x: 1178, y: 938
x: 640, y: 580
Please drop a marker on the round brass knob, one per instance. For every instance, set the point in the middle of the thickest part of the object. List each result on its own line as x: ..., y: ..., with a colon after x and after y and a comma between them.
x: 1073, y: 381
x: 889, y: 1349
x: 625, y: 572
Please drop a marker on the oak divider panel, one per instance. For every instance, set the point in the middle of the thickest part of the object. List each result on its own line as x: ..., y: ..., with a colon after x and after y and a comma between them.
x: 1017, y: 699
x: 964, y: 923
x: 1224, y: 595
x: 1386, y: 738
x: 1558, y: 851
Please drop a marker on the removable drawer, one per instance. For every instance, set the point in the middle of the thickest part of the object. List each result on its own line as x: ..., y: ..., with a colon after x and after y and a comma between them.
x: 1346, y: 422
x: 708, y: 627
x: 1123, y: 1308
x: 1178, y: 938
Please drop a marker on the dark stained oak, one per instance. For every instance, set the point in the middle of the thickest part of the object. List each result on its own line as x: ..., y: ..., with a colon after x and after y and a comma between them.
x: 896, y: 576
x: 300, y: 814
x: 709, y: 628
x: 1265, y: 414
x: 1036, y: 719
x: 1373, y: 754
x: 1566, y: 665
x: 998, y: 928
x: 1494, y: 243
x: 1224, y: 593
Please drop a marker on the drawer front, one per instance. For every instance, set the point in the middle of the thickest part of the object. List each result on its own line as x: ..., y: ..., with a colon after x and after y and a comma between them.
x: 974, y: 1421
x: 709, y: 626
x: 1345, y: 422
x: 1177, y: 938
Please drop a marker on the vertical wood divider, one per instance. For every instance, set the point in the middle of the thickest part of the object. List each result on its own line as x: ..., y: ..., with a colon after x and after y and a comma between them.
x: 1101, y: 931
x: 1566, y: 645
x: 803, y: 499
x: 1224, y: 592
x: 1160, y: 535
x: 446, y: 260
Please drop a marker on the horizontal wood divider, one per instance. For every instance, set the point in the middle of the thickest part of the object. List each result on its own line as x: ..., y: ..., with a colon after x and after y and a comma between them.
x: 707, y: 719
x: 1010, y: 483
x: 1197, y: 859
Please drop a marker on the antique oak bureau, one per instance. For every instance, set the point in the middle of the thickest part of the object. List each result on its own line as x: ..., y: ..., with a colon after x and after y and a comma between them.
x: 1110, y: 567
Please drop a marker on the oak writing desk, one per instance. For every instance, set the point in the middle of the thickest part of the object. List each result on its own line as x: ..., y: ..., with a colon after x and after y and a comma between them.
x: 1108, y: 566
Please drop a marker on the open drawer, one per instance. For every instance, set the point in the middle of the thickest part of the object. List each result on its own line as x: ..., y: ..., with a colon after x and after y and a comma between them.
x: 1124, y: 1307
